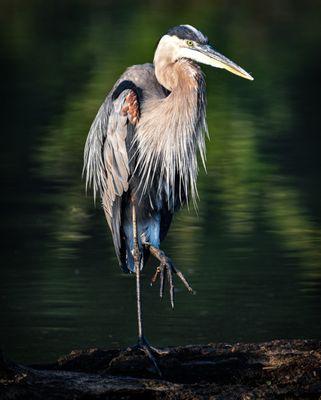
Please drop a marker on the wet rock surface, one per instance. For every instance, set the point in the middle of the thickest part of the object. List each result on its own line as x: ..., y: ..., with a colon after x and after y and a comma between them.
x: 275, y: 370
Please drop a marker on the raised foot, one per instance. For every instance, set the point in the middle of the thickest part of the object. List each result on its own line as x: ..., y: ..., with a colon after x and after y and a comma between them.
x: 166, y: 268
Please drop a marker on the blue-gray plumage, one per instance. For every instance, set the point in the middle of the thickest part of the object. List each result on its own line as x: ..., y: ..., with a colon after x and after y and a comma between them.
x: 141, y: 151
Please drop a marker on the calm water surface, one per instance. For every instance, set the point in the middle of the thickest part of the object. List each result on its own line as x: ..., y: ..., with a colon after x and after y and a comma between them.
x: 251, y: 251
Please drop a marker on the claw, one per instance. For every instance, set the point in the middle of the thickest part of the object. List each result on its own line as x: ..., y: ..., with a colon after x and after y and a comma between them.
x: 155, y: 276
x: 148, y: 350
x: 160, y: 271
x: 149, y: 354
x: 171, y: 285
x: 144, y: 346
x: 166, y: 267
x: 161, y: 285
x: 183, y: 279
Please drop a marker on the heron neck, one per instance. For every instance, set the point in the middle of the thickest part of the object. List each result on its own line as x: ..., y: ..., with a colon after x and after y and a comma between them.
x: 170, y: 132
x: 182, y: 75
x: 186, y: 100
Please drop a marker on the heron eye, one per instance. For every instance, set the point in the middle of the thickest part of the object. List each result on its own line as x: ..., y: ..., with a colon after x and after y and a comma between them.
x: 190, y: 43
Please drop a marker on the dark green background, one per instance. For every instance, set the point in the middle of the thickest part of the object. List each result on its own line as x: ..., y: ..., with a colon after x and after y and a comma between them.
x: 252, y: 252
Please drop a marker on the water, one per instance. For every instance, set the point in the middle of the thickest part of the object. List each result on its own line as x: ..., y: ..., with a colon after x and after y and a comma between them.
x: 252, y: 252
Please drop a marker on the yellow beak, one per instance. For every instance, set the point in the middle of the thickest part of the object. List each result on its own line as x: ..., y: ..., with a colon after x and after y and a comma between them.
x: 207, y: 55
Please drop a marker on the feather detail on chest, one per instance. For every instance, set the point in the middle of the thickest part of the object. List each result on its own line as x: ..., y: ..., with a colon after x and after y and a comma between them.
x: 170, y: 133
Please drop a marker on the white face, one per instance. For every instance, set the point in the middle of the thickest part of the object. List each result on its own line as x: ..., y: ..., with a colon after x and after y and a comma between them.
x: 171, y: 49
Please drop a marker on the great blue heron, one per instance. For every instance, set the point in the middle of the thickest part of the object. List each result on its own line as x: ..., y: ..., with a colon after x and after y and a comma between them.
x: 141, y: 151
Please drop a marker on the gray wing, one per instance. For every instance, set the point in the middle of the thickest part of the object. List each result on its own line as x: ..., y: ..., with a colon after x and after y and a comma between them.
x: 106, y: 159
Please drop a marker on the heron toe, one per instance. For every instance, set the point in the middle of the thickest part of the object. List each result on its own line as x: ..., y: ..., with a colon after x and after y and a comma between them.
x: 166, y: 269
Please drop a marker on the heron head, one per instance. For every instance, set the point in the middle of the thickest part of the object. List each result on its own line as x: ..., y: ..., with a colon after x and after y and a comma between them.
x: 185, y: 41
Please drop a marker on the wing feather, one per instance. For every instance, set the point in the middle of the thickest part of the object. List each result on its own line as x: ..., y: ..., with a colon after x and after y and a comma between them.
x: 106, y: 159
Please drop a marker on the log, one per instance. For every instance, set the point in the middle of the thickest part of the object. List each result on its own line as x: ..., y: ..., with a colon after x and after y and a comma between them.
x: 275, y: 370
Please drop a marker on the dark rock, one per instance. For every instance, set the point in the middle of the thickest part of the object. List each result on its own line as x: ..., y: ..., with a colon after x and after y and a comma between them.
x: 275, y: 370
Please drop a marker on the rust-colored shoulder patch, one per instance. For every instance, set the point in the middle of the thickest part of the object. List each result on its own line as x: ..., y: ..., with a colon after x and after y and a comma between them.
x: 131, y: 107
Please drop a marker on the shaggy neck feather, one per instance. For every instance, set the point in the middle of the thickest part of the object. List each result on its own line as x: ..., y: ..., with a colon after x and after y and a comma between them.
x: 171, y: 131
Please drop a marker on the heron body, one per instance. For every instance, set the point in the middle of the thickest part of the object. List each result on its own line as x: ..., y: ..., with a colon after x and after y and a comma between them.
x: 141, y: 151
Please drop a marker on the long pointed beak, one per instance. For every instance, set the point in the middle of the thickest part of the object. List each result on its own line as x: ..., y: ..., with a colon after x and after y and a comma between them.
x: 207, y: 55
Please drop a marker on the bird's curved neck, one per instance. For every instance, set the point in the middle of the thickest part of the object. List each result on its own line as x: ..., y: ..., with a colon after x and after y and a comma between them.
x: 186, y: 101
x: 182, y: 75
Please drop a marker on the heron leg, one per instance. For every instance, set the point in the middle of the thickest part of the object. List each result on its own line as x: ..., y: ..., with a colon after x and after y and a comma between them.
x: 142, y: 344
x: 166, y: 268
x: 137, y: 263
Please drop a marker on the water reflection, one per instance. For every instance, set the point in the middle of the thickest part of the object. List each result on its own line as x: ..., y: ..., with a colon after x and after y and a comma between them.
x: 252, y: 251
